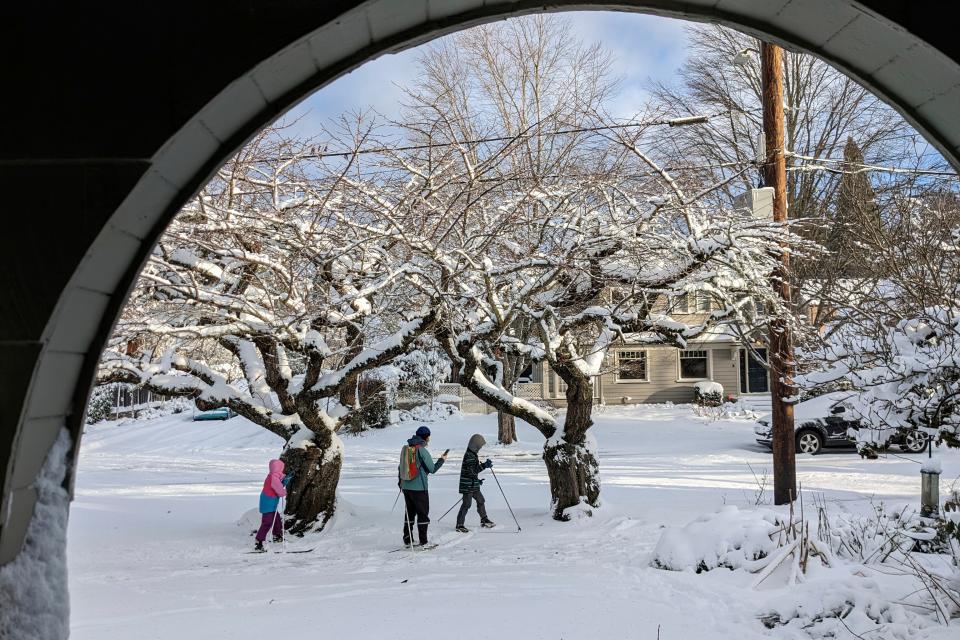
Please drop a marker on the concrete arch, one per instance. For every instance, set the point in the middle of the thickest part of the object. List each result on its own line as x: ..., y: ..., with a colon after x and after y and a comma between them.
x: 124, y: 116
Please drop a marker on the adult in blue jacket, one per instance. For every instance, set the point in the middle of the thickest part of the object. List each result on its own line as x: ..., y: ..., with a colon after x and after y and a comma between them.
x: 416, y: 494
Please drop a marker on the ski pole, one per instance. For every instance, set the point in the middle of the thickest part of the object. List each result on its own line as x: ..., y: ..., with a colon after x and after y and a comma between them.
x: 505, y: 498
x: 395, y: 500
x: 283, y: 524
x: 450, y: 509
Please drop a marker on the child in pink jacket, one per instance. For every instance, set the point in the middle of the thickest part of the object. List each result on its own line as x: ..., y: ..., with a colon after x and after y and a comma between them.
x: 274, y: 488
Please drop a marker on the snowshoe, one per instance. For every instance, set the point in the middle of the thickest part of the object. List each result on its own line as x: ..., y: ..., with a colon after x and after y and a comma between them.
x: 488, y: 524
x: 462, y: 529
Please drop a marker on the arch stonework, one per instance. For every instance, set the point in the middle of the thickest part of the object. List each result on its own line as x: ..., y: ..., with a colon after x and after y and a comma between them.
x: 113, y: 118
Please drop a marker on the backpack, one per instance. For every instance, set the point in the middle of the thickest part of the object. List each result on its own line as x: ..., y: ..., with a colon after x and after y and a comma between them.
x: 409, y: 462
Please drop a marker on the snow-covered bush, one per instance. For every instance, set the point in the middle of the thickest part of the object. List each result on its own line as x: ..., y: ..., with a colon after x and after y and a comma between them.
x: 708, y: 393
x: 950, y: 524
x: 832, y: 608
x: 729, y: 538
x: 377, y: 397
x: 867, y: 538
x: 433, y: 412
x: 422, y: 370
x: 101, y: 403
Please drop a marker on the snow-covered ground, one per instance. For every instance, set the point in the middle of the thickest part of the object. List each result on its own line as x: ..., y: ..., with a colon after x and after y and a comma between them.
x: 155, y: 549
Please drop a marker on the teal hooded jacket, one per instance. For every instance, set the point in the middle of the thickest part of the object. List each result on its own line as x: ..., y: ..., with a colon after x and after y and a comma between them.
x: 425, y: 464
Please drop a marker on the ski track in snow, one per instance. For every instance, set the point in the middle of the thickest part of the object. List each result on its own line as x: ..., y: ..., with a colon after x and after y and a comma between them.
x: 155, y: 549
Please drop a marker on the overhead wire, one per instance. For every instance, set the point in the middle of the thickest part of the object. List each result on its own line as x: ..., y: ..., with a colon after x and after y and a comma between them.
x: 670, y: 122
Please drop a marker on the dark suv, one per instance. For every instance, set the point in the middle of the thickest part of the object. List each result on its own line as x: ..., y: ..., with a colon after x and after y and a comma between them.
x: 820, y: 422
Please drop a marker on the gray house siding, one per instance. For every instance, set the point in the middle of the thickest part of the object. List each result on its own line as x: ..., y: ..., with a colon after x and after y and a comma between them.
x: 664, y: 383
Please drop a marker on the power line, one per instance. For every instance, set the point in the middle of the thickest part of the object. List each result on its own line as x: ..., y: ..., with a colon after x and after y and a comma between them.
x: 860, y: 167
x: 670, y: 122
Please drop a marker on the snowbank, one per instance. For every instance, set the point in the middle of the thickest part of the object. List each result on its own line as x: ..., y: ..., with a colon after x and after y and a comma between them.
x: 728, y: 538
x: 33, y: 587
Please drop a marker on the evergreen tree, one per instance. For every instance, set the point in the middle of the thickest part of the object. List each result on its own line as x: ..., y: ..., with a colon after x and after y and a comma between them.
x: 855, y: 218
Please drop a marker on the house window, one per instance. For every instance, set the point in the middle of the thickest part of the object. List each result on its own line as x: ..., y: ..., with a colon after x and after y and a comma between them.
x: 681, y: 303
x: 703, y: 301
x: 632, y: 366
x: 694, y: 364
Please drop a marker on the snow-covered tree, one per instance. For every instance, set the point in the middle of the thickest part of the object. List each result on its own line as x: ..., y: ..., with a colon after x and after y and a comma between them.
x: 423, y: 369
x: 522, y: 80
x: 257, y: 297
x: 896, y: 338
x: 538, y: 213
x: 582, y: 260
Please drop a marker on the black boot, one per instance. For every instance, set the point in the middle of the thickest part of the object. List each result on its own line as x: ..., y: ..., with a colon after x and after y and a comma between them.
x: 277, y: 539
x: 462, y: 529
x: 258, y: 546
x: 487, y: 524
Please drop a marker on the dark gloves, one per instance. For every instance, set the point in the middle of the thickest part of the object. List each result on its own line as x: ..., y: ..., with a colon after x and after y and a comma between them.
x: 481, y: 480
x: 488, y: 464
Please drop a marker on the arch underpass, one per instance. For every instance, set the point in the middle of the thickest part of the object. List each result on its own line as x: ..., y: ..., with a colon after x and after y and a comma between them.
x: 112, y: 119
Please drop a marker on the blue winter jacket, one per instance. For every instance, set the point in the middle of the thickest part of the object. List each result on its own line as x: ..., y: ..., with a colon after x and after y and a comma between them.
x: 425, y: 463
x: 269, y: 504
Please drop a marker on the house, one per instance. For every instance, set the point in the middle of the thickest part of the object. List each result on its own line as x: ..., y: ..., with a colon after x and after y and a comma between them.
x: 634, y: 372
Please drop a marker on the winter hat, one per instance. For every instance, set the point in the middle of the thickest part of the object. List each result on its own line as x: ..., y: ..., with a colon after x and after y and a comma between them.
x: 423, y: 432
x: 476, y: 441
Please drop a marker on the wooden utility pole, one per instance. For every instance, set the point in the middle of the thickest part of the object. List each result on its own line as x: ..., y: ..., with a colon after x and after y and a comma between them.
x: 780, y: 355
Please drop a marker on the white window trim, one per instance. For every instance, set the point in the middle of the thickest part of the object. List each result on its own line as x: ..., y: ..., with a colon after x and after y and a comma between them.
x: 709, y: 353
x: 616, y: 369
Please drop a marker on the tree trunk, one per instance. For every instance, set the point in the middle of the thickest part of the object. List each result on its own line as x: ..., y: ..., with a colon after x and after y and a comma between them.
x: 312, y: 494
x: 572, y: 465
x: 506, y: 428
x: 574, y: 476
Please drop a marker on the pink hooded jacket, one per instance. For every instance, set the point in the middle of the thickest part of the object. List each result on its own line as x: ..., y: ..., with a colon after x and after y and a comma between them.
x: 273, y: 483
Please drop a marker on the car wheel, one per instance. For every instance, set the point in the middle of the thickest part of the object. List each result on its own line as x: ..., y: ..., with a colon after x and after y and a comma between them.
x: 809, y: 442
x: 914, y: 442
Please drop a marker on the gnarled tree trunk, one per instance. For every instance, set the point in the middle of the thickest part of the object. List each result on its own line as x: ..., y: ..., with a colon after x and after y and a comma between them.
x: 312, y: 494
x: 574, y: 474
x: 572, y: 465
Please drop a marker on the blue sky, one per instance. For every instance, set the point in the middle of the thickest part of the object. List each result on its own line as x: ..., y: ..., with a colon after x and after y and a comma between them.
x: 646, y: 49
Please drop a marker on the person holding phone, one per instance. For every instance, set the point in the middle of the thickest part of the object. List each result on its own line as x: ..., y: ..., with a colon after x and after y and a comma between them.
x: 416, y: 464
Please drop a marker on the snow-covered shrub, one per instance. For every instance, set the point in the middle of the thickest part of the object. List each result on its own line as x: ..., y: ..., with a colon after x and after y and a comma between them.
x: 867, y: 539
x: 433, y: 412
x: 377, y: 397
x: 101, y: 403
x: 729, y: 538
x: 838, y: 609
x: 950, y: 524
x: 708, y: 393
x: 422, y: 370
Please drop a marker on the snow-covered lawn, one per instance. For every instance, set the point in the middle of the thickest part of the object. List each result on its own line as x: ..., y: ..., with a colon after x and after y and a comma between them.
x: 156, y: 551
